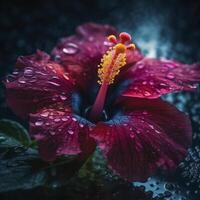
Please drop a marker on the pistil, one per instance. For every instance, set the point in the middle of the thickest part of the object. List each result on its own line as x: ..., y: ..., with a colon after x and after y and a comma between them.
x: 109, y: 68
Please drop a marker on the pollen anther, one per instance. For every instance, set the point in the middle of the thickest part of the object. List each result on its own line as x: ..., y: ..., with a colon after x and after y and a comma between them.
x: 114, y: 59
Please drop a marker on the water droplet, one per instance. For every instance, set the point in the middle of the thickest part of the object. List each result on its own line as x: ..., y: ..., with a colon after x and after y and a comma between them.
x: 138, y: 131
x: 63, y: 97
x: 56, y: 120
x: 66, y: 76
x: 15, y: 73
x: 70, y: 132
x: 163, y: 84
x: 70, y: 48
x: 81, y: 125
x: 39, y: 123
x: 52, y: 132
x: 45, y: 114
x: 64, y: 118
x: 141, y: 66
x: 53, y: 83
x: 74, y: 119
x: 22, y: 81
x: 28, y: 72
x: 146, y: 93
x: 151, y: 82
x: 170, y: 75
x: 144, y: 82
x: 151, y: 126
x: 192, y: 86
x: 157, y: 131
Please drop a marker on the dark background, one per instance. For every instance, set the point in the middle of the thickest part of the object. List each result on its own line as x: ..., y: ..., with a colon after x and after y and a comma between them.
x: 169, y: 29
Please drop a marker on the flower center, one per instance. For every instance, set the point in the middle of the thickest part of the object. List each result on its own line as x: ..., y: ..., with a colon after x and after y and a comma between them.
x: 111, y: 63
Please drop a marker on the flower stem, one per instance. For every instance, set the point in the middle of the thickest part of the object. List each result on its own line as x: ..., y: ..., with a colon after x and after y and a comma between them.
x: 98, y: 105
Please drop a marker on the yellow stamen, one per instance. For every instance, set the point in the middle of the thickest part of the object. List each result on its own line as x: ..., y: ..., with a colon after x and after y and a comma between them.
x: 114, y: 59
x: 111, y: 63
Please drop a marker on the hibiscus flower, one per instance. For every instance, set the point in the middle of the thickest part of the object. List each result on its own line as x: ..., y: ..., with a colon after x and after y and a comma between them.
x: 97, y: 90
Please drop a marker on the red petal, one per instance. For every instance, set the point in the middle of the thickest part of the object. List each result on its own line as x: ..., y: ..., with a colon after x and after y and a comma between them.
x: 80, y: 54
x: 35, y: 83
x: 60, y: 133
x: 150, y: 135
x: 153, y: 78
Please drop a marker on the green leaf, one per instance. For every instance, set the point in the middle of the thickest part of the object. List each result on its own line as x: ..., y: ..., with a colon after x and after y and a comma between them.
x: 22, y: 171
x: 13, y: 134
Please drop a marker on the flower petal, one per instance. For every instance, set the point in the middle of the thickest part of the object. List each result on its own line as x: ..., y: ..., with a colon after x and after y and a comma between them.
x: 151, y: 134
x: 60, y: 133
x: 80, y: 54
x: 37, y: 82
x: 153, y: 78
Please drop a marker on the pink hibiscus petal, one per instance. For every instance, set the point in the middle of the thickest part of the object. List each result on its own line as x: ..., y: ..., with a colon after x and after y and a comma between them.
x: 81, y: 54
x: 153, y: 78
x: 151, y: 134
x: 37, y: 82
x: 60, y: 133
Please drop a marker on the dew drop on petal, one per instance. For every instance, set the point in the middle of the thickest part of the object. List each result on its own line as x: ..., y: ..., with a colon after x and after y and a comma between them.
x: 39, y: 123
x: 147, y: 94
x: 56, y: 120
x: 81, y: 125
x: 144, y: 82
x: 70, y: 49
x: 151, y: 126
x: 151, y: 82
x: 53, y: 83
x: 22, y: 81
x: 64, y: 118
x: 45, y: 114
x: 141, y: 66
x: 70, y: 132
x: 170, y: 75
x: 28, y: 72
x: 138, y: 131
x: 15, y: 73
x: 74, y: 119
x: 66, y: 76
x: 63, y: 97
x: 52, y: 132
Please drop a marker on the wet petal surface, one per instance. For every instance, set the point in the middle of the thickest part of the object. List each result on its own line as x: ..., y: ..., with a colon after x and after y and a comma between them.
x: 60, y: 133
x: 151, y: 78
x: 144, y: 138
x: 35, y: 83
